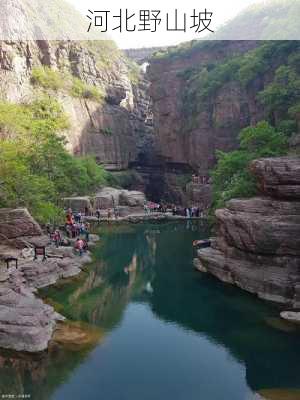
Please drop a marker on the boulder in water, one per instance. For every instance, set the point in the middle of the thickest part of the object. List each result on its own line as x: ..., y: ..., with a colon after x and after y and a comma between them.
x: 291, y: 316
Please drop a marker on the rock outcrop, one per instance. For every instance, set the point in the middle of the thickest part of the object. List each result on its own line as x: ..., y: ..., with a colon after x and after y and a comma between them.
x: 127, y: 201
x: 106, y: 128
x: 258, y: 243
x: 279, y: 178
x: 18, y: 228
x: 78, y: 203
x: 26, y: 322
x: 16, y: 223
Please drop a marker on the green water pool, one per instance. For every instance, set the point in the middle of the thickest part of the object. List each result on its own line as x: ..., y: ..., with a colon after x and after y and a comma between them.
x: 158, y: 329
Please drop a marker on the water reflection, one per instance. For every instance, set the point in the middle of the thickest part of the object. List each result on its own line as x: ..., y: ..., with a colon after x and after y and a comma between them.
x: 152, y: 264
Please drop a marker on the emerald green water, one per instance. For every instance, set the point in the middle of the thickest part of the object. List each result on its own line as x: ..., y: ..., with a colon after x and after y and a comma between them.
x: 161, y: 330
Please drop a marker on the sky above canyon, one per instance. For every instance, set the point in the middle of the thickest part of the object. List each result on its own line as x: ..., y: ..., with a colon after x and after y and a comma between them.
x: 223, y: 11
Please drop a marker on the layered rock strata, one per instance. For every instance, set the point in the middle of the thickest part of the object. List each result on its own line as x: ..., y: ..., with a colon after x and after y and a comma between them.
x: 104, y: 128
x: 26, y: 322
x: 127, y: 201
x: 258, y: 243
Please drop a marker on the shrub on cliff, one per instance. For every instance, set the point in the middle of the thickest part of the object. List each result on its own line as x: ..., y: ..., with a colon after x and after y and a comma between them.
x: 47, y: 78
x: 81, y: 89
x: 278, y: 60
x: 231, y: 177
x: 35, y: 168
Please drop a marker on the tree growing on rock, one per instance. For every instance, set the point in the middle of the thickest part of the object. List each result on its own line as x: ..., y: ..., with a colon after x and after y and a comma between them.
x: 231, y: 176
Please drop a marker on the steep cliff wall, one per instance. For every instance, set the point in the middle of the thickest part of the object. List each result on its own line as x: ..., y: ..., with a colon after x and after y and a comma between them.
x: 215, y: 128
x: 102, y: 128
x: 204, y: 94
x: 157, y: 124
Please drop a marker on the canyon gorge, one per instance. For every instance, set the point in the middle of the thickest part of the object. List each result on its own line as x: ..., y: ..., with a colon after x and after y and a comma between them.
x: 161, y: 120
x: 157, y: 121
x: 149, y: 211
x: 149, y: 120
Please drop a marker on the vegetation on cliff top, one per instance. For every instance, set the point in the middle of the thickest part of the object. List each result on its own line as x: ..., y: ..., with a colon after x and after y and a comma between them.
x: 202, y: 84
x: 231, y: 176
x: 272, y: 70
x: 35, y: 168
x: 281, y: 101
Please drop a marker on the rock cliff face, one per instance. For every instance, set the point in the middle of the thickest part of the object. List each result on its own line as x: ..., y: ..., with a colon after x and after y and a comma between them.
x: 232, y: 109
x: 178, y: 150
x: 258, y: 242
x: 104, y: 129
x: 141, y: 125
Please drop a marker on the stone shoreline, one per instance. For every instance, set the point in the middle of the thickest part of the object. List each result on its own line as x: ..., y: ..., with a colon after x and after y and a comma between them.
x: 26, y: 322
x: 142, y: 217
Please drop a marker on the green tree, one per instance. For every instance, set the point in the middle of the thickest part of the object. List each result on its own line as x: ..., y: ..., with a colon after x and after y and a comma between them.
x: 231, y: 176
x: 35, y: 168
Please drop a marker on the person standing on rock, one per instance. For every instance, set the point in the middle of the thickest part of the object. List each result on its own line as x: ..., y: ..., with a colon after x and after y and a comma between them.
x: 81, y: 228
x: 187, y: 212
x: 115, y: 212
x: 79, y: 245
x: 98, y: 215
x: 87, y: 232
x: 57, y: 238
x: 78, y: 217
x: 74, y: 231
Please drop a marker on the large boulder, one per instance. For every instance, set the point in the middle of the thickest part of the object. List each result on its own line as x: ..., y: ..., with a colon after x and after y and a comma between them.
x: 16, y: 223
x: 278, y: 177
x: 78, y: 203
x: 26, y: 323
x: 264, y: 206
x: 260, y: 233
x: 270, y: 278
x: 107, y: 197
x: 132, y: 198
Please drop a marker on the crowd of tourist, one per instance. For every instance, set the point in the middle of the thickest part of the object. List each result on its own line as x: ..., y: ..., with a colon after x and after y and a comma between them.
x: 75, y: 228
x: 189, y: 212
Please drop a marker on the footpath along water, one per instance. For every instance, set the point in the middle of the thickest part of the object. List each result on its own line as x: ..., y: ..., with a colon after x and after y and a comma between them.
x: 147, y: 325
